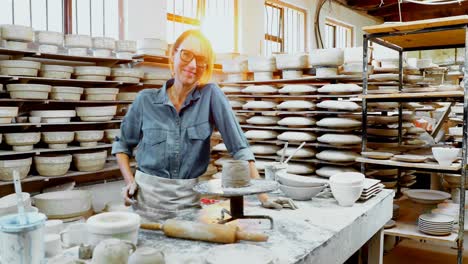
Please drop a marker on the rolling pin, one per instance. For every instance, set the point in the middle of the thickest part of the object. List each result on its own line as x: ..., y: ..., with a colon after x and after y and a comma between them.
x: 216, y: 233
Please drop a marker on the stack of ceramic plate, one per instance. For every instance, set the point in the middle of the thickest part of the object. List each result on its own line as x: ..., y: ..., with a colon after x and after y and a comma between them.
x: 427, y: 196
x: 435, y: 224
x: 371, y: 188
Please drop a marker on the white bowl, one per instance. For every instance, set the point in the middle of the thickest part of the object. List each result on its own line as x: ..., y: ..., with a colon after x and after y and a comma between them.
x: 110, y: 134
x: 52, y: 165
x: 8, y: 203
x: 346, y: 195
x: 8, y: 166
x: 445, y: 156
x: 121, y: 225
x: 63, y: 204
x: 89, y: 136
x: 326, y: 57
x: 96, y: 111
x: 58, y: 139
x: 301, y: 193
x: 90, y: 161
x: 22, y: 141
x: 294, y: 180
x: 347, y: 179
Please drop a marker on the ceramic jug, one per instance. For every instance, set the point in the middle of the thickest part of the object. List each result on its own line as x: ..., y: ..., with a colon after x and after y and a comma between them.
x: 112, y: 251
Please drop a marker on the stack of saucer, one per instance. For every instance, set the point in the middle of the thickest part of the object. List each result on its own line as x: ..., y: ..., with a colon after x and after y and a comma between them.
x: 435, y: 224
x: 371, y: 188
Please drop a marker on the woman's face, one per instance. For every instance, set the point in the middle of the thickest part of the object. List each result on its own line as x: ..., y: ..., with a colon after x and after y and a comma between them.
x: 188, y: 62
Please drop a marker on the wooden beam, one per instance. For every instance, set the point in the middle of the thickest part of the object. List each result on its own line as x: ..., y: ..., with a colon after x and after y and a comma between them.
x: 370, y: 3
x: 414, y: 10
x: 428, y: 14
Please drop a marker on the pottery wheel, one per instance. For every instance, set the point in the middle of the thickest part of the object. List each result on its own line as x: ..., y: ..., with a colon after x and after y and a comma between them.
x: 236, y: 197
x: 213, y: 187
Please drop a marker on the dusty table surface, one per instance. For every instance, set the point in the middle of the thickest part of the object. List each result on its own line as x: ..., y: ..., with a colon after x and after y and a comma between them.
x: 320, y: 231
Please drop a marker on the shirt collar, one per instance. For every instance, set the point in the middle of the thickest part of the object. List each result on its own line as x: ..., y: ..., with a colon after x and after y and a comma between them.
x: 162, y: 98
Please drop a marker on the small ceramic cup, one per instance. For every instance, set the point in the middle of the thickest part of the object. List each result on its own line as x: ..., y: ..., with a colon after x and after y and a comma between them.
x: 147, y: 255
x: 74, y: 235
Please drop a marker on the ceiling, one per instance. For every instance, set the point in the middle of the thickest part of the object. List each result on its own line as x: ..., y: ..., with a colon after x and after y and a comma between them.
x: 388, y: 9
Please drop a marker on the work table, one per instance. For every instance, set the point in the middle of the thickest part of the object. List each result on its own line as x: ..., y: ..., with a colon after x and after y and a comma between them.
x: 320, y: 231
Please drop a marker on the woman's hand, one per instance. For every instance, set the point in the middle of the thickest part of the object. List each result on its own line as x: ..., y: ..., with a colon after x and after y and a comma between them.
x: 129, y: 192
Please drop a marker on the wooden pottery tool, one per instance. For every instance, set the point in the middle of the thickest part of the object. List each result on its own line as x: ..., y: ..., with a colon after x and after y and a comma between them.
x: 216, y: 233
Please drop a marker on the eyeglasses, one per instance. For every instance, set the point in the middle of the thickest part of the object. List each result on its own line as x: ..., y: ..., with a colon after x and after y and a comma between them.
x: 187, y: 56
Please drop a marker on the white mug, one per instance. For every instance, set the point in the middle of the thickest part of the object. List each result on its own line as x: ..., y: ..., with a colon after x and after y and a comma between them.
x: 147, y: 255
x: 74, y: 235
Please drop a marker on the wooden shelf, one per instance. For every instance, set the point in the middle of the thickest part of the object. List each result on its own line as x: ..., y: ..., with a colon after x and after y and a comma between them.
x: 36, y: 54
x: 451, y: 33
x: 55, y: 81
x: 416, y: 166
x: 282, y: 96
x: 308, y: 144
x: 47, y: 101
x: 312, y: 80
x: 163, y: 59
x: 311, y: 129
x: 414, y: 97
x: 59, y: 124
x: 295, y: 113
x: 407, y: 226
x: 38, y: 151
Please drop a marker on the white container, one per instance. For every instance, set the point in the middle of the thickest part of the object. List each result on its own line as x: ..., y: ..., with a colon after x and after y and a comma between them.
x: 124, y: 55
x: 49, y: 38
x: 51, y: 49
x: 22, y: 243
x: 16, y: 45
x: 50, y: 166
x: 103, y: 43
x: 78, y: 51
x: 128, y: 46
x: 292, y: 61
x: 273, y: 169
x: 78, y: 41
x: 17, y: 32
x: 326, y: 71
x: 121, y: 225
x: 8, y: 166
x: 63, y: 204
x: 262, y: 64
x: 445, y: 156
x: 28, y: 91
x: 326, y: 57
x: 102, y: 53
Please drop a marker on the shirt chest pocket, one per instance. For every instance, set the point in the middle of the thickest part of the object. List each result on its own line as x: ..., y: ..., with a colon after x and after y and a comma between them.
x: 199, y: 132
x: 155, y: 147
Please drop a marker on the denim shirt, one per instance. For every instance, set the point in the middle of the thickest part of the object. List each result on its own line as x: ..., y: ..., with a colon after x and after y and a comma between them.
x: 177, y: 145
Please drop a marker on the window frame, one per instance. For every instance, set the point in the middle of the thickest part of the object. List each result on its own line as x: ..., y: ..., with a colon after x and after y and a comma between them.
x: 281, y: 5
x: 329, y: 21
x: 201, y: 7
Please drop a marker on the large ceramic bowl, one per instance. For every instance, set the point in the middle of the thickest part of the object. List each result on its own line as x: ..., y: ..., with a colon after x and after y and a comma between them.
x: 52, y: 165
x: 58, y: 139
x: 445, y: 156
x: 301, y: 193
x: 22, y: 141
x: 28, y: 91
x: 346, y: 195
x: 96, y: 113
x: 7, y: 113
x: 110, y: 134
x: 294, y: 180
x: 63, y: 204
x: 8, y: 166
x: 122, y: 225
x: 89, y: 138
x: 90, y: 161
x: 347, y: 179
x: 326, y: 57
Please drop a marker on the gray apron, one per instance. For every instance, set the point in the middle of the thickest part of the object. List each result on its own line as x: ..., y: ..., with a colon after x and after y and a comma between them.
x: 162, y: 198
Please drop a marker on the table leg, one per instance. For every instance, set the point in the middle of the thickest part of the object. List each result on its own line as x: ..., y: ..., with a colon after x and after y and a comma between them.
x: 375, y: 254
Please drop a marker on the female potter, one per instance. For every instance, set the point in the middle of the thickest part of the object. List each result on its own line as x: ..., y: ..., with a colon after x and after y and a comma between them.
x: 172, y: 128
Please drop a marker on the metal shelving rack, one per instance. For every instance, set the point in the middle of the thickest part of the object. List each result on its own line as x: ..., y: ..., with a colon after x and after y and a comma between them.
x: 451, y: 32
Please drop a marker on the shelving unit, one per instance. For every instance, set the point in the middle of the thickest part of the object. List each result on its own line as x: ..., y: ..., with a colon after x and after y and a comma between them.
x: 420, y: 35
x: 34, y: 183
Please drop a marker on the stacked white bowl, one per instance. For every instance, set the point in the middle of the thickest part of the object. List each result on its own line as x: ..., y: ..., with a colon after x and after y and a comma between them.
x: 16, y: 36
x: 103, y: 46
x: 125, y: 49
x: 347, y: 187
x: 152, y: 46
x: 48, y: 41
x: 299, y: 187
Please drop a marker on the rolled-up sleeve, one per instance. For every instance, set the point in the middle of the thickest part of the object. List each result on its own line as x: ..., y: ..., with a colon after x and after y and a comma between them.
x: 130, y: 129
x: 228, y: 125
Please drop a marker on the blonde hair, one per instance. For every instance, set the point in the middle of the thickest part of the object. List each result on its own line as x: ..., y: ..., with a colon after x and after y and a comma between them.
x: 206, y: 49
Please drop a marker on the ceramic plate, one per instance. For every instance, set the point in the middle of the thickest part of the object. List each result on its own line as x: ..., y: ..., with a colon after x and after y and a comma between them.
x: 435, y: 218
x: 427, y: 196
x: 377, y: 155
x: 408, y: 184
x: 410, y: 158
x: 384, y: 77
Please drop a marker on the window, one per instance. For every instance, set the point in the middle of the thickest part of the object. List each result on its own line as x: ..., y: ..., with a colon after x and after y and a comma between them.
x: 217, y: 19
x: 95, y: 18
x: 338, y: 34
x: 39, y: 14
x: 285, y: 28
